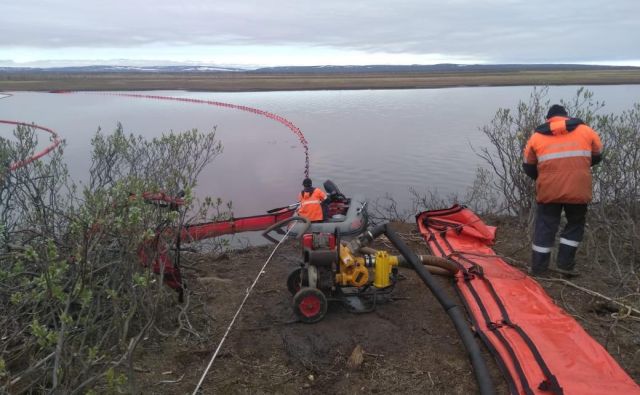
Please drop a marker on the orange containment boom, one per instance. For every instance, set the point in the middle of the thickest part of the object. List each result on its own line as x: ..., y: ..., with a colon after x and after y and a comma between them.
x: 539, y: 348
x: 155, y: 252
x: 207, y: 230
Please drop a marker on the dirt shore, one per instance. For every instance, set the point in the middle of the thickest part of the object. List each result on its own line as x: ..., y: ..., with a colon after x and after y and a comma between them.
x: 409, y: 344
x: 236, y: 82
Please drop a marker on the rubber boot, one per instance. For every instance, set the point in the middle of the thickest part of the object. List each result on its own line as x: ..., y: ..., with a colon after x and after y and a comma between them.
x: 566, y: 259
x: 539, y: 262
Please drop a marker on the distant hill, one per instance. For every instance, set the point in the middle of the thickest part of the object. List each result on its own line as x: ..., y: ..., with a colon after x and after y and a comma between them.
x: 121, y: 69
x: 436, y: 68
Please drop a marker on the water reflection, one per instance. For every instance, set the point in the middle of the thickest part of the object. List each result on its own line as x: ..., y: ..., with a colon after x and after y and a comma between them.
x: 371, y: 142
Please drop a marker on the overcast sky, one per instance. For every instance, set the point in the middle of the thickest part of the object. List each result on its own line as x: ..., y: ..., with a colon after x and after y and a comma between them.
x: 337, y: 32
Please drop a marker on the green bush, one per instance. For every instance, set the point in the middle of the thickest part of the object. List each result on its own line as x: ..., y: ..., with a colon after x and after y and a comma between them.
x: 75, y: 300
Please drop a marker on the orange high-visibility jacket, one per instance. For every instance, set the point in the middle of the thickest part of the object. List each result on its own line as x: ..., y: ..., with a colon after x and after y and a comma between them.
x: 310, y: 207
x: 562, y: 150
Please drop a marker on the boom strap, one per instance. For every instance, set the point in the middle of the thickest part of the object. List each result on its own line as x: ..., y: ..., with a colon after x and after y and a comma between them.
x: 539, y: 348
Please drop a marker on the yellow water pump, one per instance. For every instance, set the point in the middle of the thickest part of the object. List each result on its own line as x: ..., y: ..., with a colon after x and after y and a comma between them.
x: 332, y: 270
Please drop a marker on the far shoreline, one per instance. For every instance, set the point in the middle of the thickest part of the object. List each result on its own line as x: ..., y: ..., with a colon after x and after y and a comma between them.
x: 247, y: 82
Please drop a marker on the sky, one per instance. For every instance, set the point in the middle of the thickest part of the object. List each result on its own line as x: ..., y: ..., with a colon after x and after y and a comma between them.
x: 255, y: 33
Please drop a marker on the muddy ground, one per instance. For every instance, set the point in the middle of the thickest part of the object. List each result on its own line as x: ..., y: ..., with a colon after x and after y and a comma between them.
x: 409, y: 344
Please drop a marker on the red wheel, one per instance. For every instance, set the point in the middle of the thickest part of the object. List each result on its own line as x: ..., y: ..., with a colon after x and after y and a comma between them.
x: 309, y: 305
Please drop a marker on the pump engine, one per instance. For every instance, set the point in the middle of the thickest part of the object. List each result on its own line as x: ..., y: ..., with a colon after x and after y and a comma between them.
x: 331, y: 271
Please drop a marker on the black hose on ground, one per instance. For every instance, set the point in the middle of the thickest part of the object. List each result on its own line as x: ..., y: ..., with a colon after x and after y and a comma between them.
x: 453, y: 310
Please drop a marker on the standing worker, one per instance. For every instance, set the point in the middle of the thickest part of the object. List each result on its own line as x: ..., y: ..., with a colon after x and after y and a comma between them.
x: 559, y: 156
x: 310, y: 199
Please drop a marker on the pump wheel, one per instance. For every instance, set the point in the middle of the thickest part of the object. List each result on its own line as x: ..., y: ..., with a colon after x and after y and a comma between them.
x: 309, y: 305
x: 296, y: 280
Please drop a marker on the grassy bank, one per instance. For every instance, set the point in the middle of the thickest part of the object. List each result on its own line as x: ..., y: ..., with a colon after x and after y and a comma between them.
x: 238, y: 82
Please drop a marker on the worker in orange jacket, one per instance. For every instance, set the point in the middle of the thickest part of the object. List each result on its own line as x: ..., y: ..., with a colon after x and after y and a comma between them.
x: 311, y: 199
x: 559, y: 156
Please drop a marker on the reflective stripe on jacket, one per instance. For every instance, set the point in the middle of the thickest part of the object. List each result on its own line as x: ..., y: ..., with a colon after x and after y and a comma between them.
x: 562, y: 149
x: 310, y: 207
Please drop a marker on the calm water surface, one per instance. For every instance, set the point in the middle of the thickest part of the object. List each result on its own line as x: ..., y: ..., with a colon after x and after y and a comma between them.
x: 374, y: 142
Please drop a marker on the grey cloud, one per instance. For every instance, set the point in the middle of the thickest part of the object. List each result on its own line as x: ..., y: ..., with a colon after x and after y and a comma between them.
x: 498, y: 30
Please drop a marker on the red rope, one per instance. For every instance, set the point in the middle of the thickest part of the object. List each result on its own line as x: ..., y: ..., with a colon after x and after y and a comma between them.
x: 56, y: 141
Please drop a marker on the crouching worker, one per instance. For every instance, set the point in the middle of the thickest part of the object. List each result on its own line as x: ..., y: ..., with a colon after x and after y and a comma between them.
x: 311, y: 201
x: 559, y: 156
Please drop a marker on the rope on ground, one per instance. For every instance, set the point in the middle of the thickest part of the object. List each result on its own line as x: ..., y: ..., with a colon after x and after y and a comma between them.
x: 215, y: 354
x: 592, y: 293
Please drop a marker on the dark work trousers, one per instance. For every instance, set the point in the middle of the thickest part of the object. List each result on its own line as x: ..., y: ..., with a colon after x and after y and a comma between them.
x: 546, y: 227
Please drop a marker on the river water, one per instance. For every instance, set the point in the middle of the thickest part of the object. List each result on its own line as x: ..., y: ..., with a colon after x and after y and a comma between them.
x: 374, y: 142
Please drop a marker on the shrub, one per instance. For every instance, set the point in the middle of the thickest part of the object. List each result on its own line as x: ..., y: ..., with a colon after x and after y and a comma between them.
x: 75, y: 300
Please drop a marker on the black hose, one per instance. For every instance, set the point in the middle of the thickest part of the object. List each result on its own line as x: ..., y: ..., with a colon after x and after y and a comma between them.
x: 453, y: 310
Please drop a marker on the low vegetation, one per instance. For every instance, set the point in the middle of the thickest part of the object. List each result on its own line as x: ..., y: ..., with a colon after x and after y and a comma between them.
x: 242, y: 82
x: 75, y: 301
